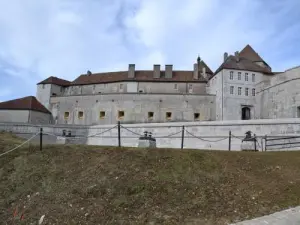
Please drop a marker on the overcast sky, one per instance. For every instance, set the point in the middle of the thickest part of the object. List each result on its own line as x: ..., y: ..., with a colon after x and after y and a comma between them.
x: 64, y: 38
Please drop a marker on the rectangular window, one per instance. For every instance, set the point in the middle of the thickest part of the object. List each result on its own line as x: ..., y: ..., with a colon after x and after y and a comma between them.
x: 168, y: 115
x: 102, y: 114
x: 175, y: 86
x: 231, y: 90
x: 253, y: 92
x: 80, y: 114
x: 239, y: 75
x: 231, y: 75
x: 196, y: 116
x: 239, y: 91
x: 121, y: 114
x: 150, y: 115
x: 246, y: 91
x: 253, y: 77
x: 121, y: 86
x: 43, y: 86
x: 246, y: 77
x: 298, y: 111
x: 66, y: 115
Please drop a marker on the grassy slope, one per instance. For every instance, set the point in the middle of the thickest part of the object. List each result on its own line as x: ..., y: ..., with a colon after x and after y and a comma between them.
x: 95, y: 185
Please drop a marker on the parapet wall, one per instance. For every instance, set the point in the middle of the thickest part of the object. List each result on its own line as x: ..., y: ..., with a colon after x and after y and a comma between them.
x: 198, y: 135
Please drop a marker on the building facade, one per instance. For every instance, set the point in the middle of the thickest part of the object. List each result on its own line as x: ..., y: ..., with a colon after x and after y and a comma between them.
x: 243, y: 87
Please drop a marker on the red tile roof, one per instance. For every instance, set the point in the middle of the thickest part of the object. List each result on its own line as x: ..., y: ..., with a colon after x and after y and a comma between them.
x: 242, y: 64
x: 247, y: 61
x: 249, y: 53
x: 26, y: 103
x: 140, y: 75
x: 56, y: 80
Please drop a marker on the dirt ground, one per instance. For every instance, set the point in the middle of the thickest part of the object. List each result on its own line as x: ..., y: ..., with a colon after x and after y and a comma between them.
x: 105, y: 185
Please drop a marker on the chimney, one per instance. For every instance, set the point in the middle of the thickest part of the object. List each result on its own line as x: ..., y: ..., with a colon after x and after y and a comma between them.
x: 237, y: 56
x: 196, y: 71
x: 204, y: 72
x: 225, y: 56
x: 89, y: 73
x: 168, y: 71
x: 131, y: 71
x: 156, y: 71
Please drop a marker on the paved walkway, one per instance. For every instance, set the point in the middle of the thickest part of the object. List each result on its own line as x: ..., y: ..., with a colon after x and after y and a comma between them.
x: 286, y: 217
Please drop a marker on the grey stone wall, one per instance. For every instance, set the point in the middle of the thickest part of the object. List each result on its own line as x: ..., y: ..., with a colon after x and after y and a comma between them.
x: 211, y: 135
x: 43, y: 94
x: 229, y: 106
x: 137, y: 87
x: 136, y: 108
x: 280, y: 96
x: 39, y: 118
x: 18, y: 116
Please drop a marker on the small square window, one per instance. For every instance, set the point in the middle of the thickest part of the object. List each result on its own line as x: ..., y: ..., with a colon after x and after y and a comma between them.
x: 102, y: 114
x: 121, y: 114
x: 80, y: 114
x: 150, y: 115
x: 239, y: 75
x: 168, y: 115
x: 66, y: 115
x: 196, y: 116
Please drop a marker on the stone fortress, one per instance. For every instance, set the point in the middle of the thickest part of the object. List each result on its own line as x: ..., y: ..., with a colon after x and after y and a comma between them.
x: 244, y: 87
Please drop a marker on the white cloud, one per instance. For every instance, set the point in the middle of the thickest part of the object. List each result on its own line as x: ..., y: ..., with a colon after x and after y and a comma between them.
x: 65, y: 38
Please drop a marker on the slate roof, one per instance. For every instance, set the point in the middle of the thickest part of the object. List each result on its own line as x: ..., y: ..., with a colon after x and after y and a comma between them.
x: 26, y: 103
x: 56, y: 80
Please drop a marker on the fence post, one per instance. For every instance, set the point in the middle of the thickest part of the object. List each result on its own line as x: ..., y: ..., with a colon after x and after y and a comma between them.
x: 265, y: 143
x: 41, y: 139
x: 229, y: 141
x: 254, y: 142
x: 182, y: 137
x: 119, y: 133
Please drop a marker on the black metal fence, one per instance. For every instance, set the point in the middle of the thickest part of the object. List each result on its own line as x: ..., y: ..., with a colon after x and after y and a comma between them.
x: 283, y: 142
x: 80, y: 135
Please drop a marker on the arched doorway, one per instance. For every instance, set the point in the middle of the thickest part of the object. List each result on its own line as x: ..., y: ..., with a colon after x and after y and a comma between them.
x: 246, y: 113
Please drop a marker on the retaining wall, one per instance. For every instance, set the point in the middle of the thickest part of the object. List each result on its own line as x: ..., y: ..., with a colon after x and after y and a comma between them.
x: 197, y: 135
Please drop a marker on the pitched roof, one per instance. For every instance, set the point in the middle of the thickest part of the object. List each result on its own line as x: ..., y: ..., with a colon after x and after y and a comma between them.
x: 140, y: 75
x: 26, y: 103
x: 249, y: 53
x: 243, y: 64
x: 56, y: 80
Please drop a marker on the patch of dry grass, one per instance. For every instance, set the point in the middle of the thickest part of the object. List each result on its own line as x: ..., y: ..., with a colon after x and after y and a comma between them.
x: 96, y: 185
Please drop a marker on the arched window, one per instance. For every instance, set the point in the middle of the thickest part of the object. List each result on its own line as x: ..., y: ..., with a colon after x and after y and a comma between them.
x: 246, y: 113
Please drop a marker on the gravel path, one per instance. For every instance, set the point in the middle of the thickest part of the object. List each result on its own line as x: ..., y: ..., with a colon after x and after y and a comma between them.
x: 286, y: 217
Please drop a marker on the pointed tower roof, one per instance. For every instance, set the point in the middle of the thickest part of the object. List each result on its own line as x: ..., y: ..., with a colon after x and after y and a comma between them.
x: 26, y: 103
x: 249, y: 53
x: 56, y: 80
